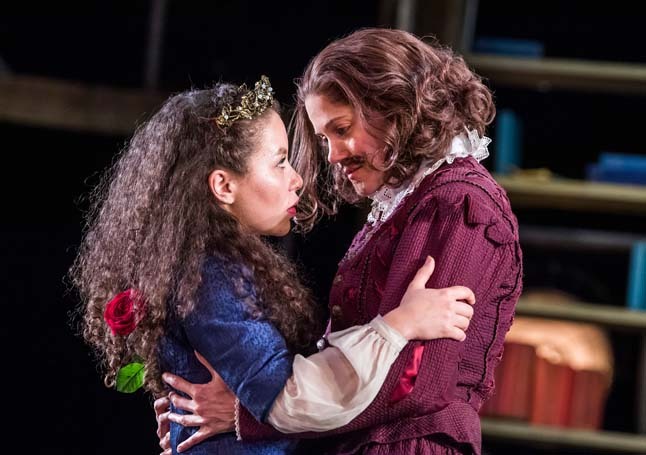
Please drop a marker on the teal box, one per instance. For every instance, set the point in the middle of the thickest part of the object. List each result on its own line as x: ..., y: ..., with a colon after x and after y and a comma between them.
x: 508, y: 143
x: 636, y: 293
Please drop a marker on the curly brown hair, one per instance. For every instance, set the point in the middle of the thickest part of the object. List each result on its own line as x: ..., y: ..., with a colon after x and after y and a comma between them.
x: 154, y: 221
x: 421, y: 92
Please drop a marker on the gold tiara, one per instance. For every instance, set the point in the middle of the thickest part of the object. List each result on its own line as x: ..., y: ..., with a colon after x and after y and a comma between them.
x: 254, y: 102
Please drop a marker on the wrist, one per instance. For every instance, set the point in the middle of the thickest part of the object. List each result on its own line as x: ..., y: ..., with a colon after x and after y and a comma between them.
x: 397, y: 320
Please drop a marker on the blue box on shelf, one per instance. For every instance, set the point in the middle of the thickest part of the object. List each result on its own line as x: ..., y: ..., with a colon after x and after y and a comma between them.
x: 618, y: 168
x: 509, y: 46
x: 636, y: 293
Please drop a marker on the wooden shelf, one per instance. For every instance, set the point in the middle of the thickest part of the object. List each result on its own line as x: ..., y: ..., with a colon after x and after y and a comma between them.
x: 576, y: 239
x: 547, y: 73
x: 69, y: 105
x: 534, y: 435
x: 606, y: 315
x: 572, y: 194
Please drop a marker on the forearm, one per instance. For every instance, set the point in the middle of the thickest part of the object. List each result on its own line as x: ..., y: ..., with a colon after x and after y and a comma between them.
x: 381, y: 411
x: 329, y: 389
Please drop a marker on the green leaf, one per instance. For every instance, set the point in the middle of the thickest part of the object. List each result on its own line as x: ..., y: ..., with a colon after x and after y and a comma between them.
x: 130, y: 377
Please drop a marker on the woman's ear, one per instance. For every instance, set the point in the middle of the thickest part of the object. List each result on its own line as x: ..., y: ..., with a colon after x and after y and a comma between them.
x: 223, y: 186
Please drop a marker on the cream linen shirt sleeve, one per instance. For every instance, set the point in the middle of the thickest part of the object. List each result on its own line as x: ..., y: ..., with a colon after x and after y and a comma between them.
x: 330, y: 388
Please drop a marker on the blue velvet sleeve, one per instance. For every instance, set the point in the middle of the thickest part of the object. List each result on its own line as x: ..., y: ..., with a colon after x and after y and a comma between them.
x: 249, y: 353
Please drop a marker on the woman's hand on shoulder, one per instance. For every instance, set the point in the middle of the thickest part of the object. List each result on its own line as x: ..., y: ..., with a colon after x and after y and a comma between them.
x: 427, y: 314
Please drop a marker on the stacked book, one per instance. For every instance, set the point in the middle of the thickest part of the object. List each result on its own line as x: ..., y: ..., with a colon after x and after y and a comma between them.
x: 618, y: 168
x: 554, y: 373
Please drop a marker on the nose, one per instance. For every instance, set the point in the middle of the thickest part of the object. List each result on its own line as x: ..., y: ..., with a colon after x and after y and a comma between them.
x: 336, y: 152
x: 296, y: 182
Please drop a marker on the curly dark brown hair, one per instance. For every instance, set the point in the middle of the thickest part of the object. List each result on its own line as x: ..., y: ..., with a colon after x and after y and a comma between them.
x: 421, y: 92
x: 154, y: 222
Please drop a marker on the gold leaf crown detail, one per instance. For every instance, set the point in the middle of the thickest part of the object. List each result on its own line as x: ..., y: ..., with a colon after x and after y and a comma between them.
x: 254, y: 102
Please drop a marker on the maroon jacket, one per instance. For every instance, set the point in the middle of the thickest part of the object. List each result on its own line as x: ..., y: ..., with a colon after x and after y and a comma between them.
x: 461, y: 217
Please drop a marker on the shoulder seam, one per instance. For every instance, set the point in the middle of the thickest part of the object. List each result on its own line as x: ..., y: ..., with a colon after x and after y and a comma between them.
x: 499, y: 206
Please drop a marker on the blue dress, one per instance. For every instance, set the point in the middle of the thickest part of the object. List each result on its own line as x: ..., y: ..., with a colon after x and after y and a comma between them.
x: 249, y: 353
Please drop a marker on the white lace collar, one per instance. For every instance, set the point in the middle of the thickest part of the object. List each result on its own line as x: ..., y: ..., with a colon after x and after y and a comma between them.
x: 386, y: 199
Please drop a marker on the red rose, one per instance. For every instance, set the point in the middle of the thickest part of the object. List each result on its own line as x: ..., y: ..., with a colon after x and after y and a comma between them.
x: 124, y: 312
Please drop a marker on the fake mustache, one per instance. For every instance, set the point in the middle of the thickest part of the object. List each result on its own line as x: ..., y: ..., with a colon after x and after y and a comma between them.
x: 352, y: 161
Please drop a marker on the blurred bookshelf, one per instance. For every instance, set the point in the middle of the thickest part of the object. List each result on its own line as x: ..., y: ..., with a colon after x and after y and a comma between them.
x: 559, y: 439
x: 606, y: 315
x: 561, y: 73
x: 574, y: 194
x: 74, y: 105
x: 571, y: 97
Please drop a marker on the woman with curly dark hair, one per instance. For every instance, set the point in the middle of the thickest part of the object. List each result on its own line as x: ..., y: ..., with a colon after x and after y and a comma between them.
x: 386, y: 115
x: 175, y: 260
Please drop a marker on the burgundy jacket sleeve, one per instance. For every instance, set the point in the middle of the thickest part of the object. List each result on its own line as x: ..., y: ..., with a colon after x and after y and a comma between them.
x: 473, y: 237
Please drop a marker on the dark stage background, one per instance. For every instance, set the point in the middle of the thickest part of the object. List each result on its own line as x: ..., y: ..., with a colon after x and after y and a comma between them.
x: 56, y: 400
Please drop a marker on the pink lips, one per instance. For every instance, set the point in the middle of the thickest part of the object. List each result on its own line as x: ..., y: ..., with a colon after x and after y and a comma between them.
x: 351, y: 165
x: 292, y: 209
x: 349, y: 170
